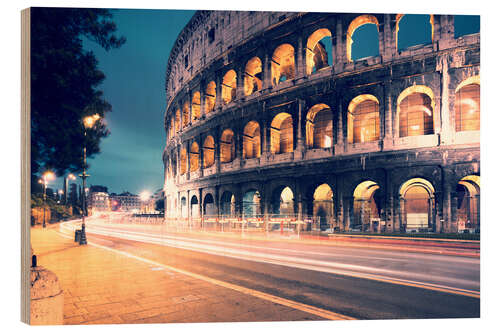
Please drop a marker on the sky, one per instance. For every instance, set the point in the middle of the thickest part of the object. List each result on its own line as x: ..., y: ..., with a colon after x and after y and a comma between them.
x: 131, y: 157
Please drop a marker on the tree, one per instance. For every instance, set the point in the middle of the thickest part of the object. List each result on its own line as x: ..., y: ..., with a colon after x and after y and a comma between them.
x: 160, y: 205
x: 64, y: 81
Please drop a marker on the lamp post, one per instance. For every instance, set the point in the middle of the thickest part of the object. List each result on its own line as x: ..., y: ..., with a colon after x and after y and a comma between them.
x: 88, y: 122
x: 48, y: 175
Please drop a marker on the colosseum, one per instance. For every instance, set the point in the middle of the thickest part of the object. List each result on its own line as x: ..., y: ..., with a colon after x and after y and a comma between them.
x: 270, y: 119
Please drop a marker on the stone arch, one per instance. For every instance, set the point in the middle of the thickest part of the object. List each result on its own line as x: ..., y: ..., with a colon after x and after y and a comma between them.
x: 177, y: 120
x: 367, y: 206
x: 319, y: 127
x: 468, y: 105
x: 227, y: 146
x: 253, y: 76
x: 415, y: 111
x: 363, y: 119
x: 323, y: 206
x: 417, y: 204
x: 208, y: 152
x: 252, y: 203
x: 353, y: 26
x: 196, y: 106
x: 399, y: 17
x: 185, y: 114
x: 210, y: 94
x: 193, y: 206
x: 283, y: 64
x: 194, y: 157
x: 183, y: 207
x: 282, y: 133
x: 229, y: 86
x: 251, y: 140
x: 282, y: 201
x: 183, y: 161
x: 318, y: 50
x: 468, y: 191
x: 209, y: 205
x: 227, y: 204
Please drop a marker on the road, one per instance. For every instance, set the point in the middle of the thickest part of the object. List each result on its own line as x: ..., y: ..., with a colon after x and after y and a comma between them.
x: 351, y: 279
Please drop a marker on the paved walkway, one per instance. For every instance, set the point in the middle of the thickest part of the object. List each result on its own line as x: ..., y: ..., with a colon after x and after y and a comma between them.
x: 103, y: 287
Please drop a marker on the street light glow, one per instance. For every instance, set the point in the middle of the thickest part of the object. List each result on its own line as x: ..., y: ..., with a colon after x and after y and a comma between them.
x: 90, y: 120
x: 48, y: 175
x: 144, y: 195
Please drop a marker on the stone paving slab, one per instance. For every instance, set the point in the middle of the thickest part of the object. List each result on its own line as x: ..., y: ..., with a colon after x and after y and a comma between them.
x: 103, y: 287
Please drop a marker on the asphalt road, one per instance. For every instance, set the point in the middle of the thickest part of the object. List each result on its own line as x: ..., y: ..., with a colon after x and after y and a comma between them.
x: 353, y: 280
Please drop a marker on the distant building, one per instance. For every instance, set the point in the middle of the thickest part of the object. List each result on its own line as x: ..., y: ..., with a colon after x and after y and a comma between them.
x: 99, y: 202
x: 126, y: 201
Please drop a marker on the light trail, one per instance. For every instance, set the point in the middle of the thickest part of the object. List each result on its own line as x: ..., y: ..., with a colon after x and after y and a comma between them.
x: 222, y: 249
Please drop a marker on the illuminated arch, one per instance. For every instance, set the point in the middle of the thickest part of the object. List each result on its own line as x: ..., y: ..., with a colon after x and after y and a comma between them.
x: 210, y: 94
x: 229, y: 86
x: 363, y: 119
x: 185, y: 114
x: 227, y: 146
x: 251, y: 140
x: 251, y: 203
x: 355, y: 24
x: 208, y: 205
x: 183, y: 160
x: 228, y: 204
x: 282, y: 133
x: 398, y: 20
x: 468, y: 105
x: 208, y: 152
x: 415, y: 111
x: 319, y: 127
x: 177, y: 120
x: 283, y: 201
x: 468, y: 206
x: 194, y: 157
x: 195, y: 212
x: 417, y: 203
x: 283, y: 64
x: 366, y: 205
x: 317, y: 51
x: 253, y: 76
x: 323, y: 206
x: 196, y: 107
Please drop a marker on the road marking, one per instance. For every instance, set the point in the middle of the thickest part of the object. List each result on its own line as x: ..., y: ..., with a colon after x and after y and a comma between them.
x: 268, y: 297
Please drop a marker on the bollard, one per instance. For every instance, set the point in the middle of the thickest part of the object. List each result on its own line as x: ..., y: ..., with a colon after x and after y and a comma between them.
x: 78, y: 235
x: 47, y: 298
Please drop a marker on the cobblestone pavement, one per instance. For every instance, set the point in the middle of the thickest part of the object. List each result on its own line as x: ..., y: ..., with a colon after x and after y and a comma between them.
x: 103, y: 287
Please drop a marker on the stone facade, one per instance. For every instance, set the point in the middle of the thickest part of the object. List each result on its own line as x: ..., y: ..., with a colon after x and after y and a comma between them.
x: 289, y: 119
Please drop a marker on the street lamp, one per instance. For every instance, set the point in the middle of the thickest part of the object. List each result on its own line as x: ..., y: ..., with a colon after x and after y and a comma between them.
x: 48, y: 175
x: 66, y: 181
x: 88, y: 122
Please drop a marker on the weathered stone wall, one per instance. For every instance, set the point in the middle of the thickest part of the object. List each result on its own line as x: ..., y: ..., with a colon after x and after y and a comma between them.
x: 442, y: 158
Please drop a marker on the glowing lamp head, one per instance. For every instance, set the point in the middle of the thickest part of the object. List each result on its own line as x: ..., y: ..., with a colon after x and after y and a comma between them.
x: 144, y: 195
x: 48, y: 175
x: 71, y: 176
x: 90, y: 120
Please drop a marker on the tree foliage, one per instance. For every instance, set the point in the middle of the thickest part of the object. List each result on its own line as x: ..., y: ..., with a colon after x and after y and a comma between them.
x: 64, y: 81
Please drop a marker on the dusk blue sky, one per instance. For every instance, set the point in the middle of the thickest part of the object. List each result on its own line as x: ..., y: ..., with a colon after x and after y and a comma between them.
x: 130, y: 158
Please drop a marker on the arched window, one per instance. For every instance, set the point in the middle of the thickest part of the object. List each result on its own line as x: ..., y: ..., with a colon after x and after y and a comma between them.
x: 228, y: 204
x: 229, y: 86
x: 227, y: 146
x: 468, y: 207
x: 208, y: 205
x: 319, y: 127
x: 362, y: 38
x: 414, y: 29
x: 251, y: 140
x: 283, y: 64
x: 177, y: 120
x: 466, y: 25
x: 417, y: 203
x: 416, y: 111
x: 210, y: 94
x: 363, y: 119
x: 185, y: 114
x: 467, y: 106
x: 318, y: 51
x: 251, y: 203
x: 195, y: 107
x: 208, y: 152
x: 367, y: 206
x: 323, y: 206
x: 183, y: 161
x: 253, y: 76
x: 195, y: 211
x: 282, y: 134
x: 194, y: 157
x: 282, y: 202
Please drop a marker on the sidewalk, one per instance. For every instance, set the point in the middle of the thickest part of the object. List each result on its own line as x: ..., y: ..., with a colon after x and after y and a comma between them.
x: 103, y: 287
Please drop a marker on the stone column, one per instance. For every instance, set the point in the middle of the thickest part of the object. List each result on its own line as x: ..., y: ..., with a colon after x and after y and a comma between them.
x: 188, y: 157
x: 339, y: 146
x: 266, y: 69
x: 202, y: 156
x: 190, y: 103
x: 200, y: 203
x: 446, y: 129
x: 449, y: 224
x: 240, y: 75
x: 202, y: 101
x: 218, y: 92
x: 217, y: 150
x: 300, y: 128
x: 386, y: 118
x: 300, y: 66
